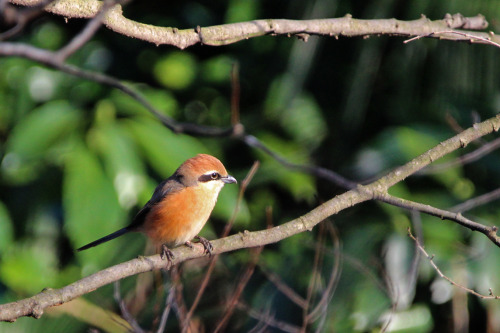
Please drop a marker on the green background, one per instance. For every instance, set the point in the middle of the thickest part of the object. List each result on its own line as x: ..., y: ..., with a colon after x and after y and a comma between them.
x: 78, y: 160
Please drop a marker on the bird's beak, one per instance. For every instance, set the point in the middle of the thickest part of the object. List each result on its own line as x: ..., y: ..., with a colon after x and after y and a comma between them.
x: 229, y: 179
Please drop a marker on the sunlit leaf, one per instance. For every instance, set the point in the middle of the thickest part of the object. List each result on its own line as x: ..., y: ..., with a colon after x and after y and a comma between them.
x: 34, y: 135
x: 28, y: 268
x: 122, y: 161
x: 176, y: 70
x: 217, y: 69
x: 164, y: 150
x: 91, y: 208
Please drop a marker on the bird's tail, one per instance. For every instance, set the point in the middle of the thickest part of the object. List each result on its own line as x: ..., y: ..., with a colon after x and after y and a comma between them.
x: 105, y: 239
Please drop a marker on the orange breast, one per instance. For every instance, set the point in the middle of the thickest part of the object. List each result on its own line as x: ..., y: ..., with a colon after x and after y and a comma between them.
x: 180, y: 216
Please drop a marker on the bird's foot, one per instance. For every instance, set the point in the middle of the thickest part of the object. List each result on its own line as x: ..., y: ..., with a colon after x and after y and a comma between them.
x: 166, y: 253
x: 206, y: 244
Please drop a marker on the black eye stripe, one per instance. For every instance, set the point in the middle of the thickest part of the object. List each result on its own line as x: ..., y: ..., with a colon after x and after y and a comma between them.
x: 209, y: 177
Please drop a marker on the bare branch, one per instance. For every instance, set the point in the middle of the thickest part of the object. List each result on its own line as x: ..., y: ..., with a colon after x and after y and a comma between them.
x: 458, y: 21
x: 477, y: 201
x: 485, y: 149
x: 431, y: 260
x: 319, y: 172
x: 490, y: 232
x: 284, y: 288
x: 178, y: 300
x: 472, y: 38
x: 50, y: 59
x: 166, y: 311
x: 334, y: 275
x: 239, y: 289
x: 19, y: 17
x: 86, y: 34
x: 235, y: 32
x: 318, y: 256
x: 123, y: 309
x: 269, y: 319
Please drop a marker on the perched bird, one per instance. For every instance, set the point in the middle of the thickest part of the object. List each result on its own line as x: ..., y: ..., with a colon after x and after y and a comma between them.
x: 180, y: 206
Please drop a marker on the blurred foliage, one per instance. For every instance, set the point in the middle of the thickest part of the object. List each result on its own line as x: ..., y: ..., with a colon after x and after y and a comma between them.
x: 78, y: 160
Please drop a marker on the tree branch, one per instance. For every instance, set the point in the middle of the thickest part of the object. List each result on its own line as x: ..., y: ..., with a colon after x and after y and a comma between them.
x: 431, y: 260
x: 34, y: 306
x: 490, y: 232
x: 477, y: 201
x: 464, y: 159
x: 235, y: 32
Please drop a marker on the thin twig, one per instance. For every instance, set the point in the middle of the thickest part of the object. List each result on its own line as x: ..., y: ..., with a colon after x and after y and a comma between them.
x: 319, y: 172
x: 394, y: 295
x: 86, y: 33
x: 318, y: 255
x: 490, y: 232
x: 21, y: 17
x: 416, y: 221
x: 477, y: 201
x: 124, y: 311
x: 239, y: 289
x: 475, y: 155
x: 225, y: 232
x: 283, y: 287
x: 441, y: 274
x: 269, y: 319
x: 50, y: 59
x: 166, y: 311
x: 180, y: 305
x: 472, y: 38
x: 333, y: 281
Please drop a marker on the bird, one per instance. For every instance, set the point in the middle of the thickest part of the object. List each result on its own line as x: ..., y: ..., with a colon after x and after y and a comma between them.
x: 179, y: 207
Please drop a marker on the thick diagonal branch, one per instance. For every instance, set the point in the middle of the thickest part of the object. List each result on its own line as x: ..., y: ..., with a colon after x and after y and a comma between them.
x: 34, y: 306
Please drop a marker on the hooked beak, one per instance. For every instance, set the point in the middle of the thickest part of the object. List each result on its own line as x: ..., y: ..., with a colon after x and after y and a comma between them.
x: 228, y: 180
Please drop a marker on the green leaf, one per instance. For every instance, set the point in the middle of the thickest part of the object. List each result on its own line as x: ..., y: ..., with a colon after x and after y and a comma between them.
x: 49, y: 36
x: 6, y: 229
x: 304, y: 122
x: 44, y: 128
x: 28, y: 268
x: 162, y: 100
x: 241, y: 10
x: 299, y: 184
x: 176, y: 71
x: 217, y: 69
x: 91, y: 207
x: 121, y: 160
x: 164, y: 150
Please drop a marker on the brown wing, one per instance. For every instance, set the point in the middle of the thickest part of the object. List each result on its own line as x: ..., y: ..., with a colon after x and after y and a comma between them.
x: 166, y: 187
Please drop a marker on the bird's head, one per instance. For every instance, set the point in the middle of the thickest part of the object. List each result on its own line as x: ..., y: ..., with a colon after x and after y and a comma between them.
x: 206, y: 171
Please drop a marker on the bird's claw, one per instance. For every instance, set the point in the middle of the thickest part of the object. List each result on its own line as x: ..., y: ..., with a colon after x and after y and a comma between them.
x: 206, y: 244
x: 166, y: 253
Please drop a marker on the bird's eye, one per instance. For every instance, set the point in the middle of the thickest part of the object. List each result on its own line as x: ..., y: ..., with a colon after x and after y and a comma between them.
x: 214, y: 175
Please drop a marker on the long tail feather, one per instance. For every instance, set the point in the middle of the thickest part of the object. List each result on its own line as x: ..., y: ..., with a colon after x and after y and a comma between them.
x: 105, y: 239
